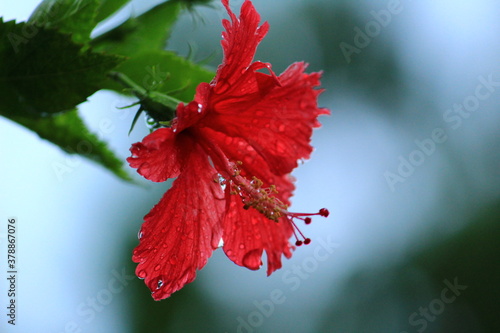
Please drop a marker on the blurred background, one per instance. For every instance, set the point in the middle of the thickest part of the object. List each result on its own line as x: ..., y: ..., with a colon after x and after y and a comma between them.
x: 408, y: 165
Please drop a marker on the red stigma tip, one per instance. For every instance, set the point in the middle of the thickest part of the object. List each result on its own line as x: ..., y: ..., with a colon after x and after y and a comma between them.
x: 324, y: 212
x: 307, y: 241
x: 307, y: 220
x: 298, y: 243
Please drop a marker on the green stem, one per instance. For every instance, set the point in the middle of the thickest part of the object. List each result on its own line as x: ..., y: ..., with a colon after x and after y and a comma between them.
x: 144, y: 95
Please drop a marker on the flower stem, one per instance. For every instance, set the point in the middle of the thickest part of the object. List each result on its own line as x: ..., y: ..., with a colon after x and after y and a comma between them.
x: 159, y: 106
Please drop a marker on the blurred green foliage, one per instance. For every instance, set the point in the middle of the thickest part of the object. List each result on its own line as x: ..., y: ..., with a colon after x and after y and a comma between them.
x: 415, y: 295
x: 52, y: 65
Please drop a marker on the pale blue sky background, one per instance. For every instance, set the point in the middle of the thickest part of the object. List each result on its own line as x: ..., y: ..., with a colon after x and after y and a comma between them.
x: 72, y: 229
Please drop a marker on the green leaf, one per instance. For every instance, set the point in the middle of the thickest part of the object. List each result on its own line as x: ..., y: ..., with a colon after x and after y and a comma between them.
x: 77, y: 18
x: 68, y: 131
x: 147, y: 32
x: 44, y: 72
x: 109, y: 7
x: 164, y: 72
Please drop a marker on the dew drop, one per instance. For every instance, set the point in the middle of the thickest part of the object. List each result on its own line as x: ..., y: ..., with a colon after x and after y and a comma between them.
x: 251, y: 260
x: 151, y: 122
x: 141, y: 274
x: 157, y: 267
x: 221, y: 243
x: 281, y: 128
x: 160, y: 283
x: 140, y: 234
x: 229, y: 253
x: 178, y: 229
x: 200, y: 108
x: 172, y: 261
x: 242, y: 246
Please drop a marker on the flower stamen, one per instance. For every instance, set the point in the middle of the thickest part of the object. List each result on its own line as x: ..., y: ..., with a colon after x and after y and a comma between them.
x: 263, y: 200
x: 306, y: 217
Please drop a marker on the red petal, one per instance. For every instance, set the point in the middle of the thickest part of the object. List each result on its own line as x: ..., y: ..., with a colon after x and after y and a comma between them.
x: 247, y: 233
x: 158, y: 156
x: 188, y: 115
x: 252, y: 164
x: 239, y: 43
x: 182, y: 230
x: 277, y: 121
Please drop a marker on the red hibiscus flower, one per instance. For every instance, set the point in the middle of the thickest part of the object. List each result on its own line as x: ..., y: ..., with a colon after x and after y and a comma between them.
x: 232, y: 150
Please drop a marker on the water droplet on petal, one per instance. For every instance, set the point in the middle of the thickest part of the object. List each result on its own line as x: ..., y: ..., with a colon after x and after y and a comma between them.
x: 140, y: 234
x: 157, y: 267
x: 251, y: 260
x: 172, y: 261
x: 141, y: 274
x: 229, y: 253
x: 304, y: 105
x: 200, y: 108
x: 281, y: 128
x: 160, y: 283
x: 221, y: 243
x: 242, y: 246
